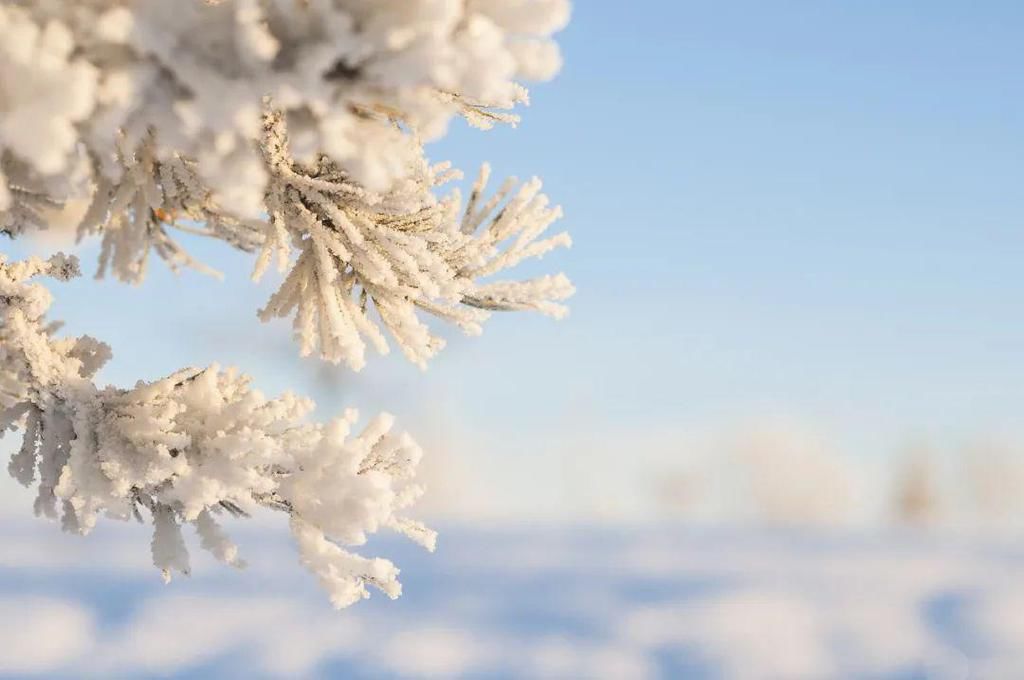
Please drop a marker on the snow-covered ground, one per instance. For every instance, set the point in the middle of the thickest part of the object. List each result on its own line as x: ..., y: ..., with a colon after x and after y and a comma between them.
x: 566, y: 602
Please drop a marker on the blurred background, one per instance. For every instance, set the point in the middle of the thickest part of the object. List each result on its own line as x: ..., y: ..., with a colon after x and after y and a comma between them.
x: 779, y: 436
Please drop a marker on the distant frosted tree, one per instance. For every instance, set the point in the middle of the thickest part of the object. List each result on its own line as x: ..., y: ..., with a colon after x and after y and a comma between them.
x: 917, y: 498
x: 294, y: 130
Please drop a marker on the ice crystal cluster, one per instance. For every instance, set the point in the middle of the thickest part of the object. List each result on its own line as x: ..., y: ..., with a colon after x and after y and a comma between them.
x: 293, y: 130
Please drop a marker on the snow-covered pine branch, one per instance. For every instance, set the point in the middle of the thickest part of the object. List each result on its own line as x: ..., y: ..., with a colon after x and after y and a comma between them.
x: 280, y: 126
x: 191, y: 446
x: 403, y: 250
x: 294, y: 130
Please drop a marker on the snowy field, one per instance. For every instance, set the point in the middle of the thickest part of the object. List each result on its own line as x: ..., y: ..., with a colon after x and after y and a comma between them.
x: 581, y: 602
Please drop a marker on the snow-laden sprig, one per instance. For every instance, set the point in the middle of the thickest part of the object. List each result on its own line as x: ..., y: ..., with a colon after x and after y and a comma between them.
x: 152, y: 199
x: 400, y: 252
x: 194, y: 74
x: 159, y: 112
x: 191, y: 446
x: 367, y: 262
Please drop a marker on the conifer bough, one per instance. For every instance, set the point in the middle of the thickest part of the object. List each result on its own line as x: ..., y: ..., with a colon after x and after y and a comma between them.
x: 293, y: 130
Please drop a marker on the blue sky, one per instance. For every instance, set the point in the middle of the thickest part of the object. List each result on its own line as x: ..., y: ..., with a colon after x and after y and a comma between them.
x: 801, y: 209
x: 807, y: 211
x: 811, y: 206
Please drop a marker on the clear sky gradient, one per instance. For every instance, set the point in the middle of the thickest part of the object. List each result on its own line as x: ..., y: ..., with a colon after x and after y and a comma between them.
x: 803, y: 210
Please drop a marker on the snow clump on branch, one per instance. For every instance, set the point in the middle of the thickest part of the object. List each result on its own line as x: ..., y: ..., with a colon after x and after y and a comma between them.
x: 192, y: 446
